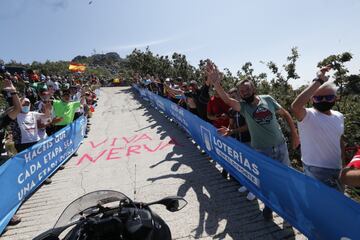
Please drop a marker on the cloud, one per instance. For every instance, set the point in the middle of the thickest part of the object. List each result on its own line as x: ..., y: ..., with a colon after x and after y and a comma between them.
x: 138, y: 45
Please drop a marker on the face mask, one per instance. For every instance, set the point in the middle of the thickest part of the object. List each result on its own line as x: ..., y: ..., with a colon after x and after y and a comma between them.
x: 25, y: 109
x: 249, y: 99
x: 323, y: 106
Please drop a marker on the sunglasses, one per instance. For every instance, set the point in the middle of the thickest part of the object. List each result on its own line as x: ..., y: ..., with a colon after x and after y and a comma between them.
x: 326, y: 98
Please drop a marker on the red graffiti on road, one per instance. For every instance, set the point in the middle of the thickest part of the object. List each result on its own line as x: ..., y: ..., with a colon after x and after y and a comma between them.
x: 118, y: 148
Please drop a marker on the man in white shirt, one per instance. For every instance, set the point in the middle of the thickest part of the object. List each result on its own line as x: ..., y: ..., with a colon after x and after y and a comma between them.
x: 320, y: 130
x: 26, y: 127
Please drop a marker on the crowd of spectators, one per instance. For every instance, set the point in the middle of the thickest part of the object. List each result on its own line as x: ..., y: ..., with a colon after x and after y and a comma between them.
x: 36, y: 106
x: 253, y: 120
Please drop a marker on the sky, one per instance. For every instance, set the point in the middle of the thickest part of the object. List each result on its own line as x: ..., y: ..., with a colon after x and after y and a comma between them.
x: 230, y: 32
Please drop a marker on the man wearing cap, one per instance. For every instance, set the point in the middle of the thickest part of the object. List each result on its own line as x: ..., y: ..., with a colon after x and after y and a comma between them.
x: 25, y: 127
x: 65, y: 109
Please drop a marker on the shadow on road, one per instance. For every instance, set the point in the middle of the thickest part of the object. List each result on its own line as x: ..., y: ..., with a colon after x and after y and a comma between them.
x: 218, y: 197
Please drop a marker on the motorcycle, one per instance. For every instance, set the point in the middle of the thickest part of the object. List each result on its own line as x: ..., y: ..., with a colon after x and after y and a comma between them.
x: 110, y: 215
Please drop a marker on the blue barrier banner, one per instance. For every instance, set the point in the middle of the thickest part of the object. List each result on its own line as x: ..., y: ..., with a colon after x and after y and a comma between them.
x: 21, y: 175
x: 316, y: 210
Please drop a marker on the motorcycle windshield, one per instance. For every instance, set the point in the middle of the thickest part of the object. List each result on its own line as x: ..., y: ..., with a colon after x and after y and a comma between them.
x: 88, y: 204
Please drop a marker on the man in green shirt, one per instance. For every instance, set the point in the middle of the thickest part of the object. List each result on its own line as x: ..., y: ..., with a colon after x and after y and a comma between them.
x: 259, y: 112
x: 65, y: 109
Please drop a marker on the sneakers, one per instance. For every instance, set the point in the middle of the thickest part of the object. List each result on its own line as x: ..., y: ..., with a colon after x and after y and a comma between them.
x: 224, y: 173
x: 48, y: 181
x: 242, y: 189
x: 250, y: 196
x: 14, y: 220
x: 267, y: 214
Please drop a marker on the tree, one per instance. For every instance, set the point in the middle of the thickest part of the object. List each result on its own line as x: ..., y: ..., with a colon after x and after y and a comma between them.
x: 338, y: 64
x: 248, y: 72
x: 229, y: 81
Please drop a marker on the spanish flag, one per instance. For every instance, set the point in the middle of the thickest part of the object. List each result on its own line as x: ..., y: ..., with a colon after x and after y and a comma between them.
x: 77, y: 67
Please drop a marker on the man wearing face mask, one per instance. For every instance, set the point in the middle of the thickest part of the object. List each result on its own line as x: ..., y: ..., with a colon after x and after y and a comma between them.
x: 259, y: 112
x: 25, y: 128
x: 320, y: 130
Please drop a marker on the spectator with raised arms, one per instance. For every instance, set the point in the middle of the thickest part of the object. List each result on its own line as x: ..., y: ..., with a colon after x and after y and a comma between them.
x: 259, y: 112
x: 65, y: 109
x: 7, y: 117
x: 321, y: 130
x: 26, y: 126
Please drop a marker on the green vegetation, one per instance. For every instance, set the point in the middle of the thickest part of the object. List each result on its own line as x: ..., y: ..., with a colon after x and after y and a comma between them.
x: 110, y: 65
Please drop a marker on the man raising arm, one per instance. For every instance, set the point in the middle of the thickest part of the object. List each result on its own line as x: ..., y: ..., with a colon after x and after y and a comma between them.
x: 320, y: 130
x: 259, y: 112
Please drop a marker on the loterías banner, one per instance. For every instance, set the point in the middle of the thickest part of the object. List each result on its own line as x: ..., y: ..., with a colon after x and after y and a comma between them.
x: 315, y: 209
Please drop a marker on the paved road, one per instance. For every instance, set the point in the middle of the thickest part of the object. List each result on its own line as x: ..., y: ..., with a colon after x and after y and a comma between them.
x: 134, y: 149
